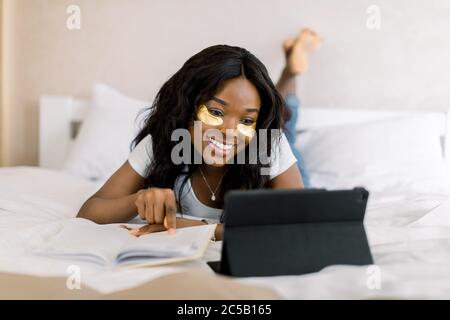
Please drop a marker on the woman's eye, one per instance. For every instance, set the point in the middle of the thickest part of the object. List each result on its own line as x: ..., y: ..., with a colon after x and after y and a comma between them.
x: 215, y: 112
x: 248, y: 122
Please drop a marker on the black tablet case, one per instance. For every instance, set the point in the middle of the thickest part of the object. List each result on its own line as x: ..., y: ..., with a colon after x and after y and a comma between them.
x: 292, y: 232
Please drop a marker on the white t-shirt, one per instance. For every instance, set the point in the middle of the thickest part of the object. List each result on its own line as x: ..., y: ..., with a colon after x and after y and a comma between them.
x: 189, y: 205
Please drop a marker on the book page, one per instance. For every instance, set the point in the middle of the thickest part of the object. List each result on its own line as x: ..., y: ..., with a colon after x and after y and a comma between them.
x: 82, y: 239
x: 185, y: 242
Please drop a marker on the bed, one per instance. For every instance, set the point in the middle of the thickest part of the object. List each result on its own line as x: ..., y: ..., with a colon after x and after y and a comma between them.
x: 407, y: 222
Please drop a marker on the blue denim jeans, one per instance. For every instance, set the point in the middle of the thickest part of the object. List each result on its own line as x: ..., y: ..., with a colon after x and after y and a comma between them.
x: 293, y: 104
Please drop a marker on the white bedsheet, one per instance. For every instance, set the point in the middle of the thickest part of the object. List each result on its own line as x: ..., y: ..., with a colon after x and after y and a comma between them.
x: 409, y: 236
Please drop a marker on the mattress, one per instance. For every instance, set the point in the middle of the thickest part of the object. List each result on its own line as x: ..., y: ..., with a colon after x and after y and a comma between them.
x: 409, y: 235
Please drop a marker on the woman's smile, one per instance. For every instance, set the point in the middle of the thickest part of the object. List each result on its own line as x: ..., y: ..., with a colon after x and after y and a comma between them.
x: 221, y: 149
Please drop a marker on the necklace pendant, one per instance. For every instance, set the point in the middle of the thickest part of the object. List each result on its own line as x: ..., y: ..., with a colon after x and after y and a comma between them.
x: 213, y: 197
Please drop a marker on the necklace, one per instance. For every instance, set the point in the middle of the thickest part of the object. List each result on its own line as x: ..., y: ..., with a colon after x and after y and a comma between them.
x: 213, y: 193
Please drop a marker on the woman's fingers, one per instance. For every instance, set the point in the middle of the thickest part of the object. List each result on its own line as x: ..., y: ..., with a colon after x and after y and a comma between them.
x: 170, y: 220
x: 124, y: 226
x: 158, y: 206
x: 149, y: 228
x: 140, y: 204
x: 159, y: 199
x: 149, y: 206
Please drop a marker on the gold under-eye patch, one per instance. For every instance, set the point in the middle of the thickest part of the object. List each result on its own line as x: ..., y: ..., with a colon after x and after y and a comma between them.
x: 248, y: 131
x: 206, y: 117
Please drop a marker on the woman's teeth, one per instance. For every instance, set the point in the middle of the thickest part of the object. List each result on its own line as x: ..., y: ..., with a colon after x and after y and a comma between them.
x: 220, y: 147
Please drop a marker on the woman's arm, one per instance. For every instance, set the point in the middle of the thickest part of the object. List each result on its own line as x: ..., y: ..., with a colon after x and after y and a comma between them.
x: 289, y: 179
x: 123, y: 196
x: 115, y: 201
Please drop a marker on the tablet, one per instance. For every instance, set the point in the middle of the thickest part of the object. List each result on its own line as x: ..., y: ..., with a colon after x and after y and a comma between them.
x: 290, y: 232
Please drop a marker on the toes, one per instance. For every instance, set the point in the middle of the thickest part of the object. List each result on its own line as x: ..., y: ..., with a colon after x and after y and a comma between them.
x: 309, y: 39
x: 288, y: 43
x: 297, y: 50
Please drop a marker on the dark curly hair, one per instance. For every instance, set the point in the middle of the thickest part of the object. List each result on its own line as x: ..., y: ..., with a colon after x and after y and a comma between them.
x: 175, y: 106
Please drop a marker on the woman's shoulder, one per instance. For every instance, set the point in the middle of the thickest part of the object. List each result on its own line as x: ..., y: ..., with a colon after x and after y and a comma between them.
x: 281, y: 157
x: 147, y: 139
x: 143, y: 146
x: 279, y: 144
x: 141, y: 156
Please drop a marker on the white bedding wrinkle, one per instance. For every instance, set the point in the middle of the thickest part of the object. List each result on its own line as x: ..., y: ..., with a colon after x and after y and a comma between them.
x: 439, y: 216
x: 408, y: 234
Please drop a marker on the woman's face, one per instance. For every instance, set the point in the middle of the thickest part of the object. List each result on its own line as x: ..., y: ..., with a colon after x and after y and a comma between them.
x: 227, y: 121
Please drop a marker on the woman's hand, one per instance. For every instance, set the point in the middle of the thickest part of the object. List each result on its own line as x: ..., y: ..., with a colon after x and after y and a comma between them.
x: 158, y: 207
x: 150, y: 228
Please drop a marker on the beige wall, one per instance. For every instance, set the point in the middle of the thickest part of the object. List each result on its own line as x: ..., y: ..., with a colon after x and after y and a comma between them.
x: 1, y: 84
x: 135, y: 45
x: 6, y: 79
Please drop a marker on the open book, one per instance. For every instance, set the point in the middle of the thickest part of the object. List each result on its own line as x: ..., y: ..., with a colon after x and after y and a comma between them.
x: 81, y: 239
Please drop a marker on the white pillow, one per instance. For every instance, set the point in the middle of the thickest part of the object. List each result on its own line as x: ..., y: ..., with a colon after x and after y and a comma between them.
x: 396, y: 155
x: 103, y: 142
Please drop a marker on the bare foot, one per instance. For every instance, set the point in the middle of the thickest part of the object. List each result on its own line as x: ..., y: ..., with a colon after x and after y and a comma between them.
x: 298, y: 49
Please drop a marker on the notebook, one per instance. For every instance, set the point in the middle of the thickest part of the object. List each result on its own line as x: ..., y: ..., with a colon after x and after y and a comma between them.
x: 111, y: 245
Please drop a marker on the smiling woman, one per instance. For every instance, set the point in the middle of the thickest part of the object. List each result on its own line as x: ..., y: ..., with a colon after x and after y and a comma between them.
x: 232, y: 110
x: 224, y: 98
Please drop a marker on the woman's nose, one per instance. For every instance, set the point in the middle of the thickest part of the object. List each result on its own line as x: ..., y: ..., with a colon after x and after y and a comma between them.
x: 229, y: 127
x: 230, y: 123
